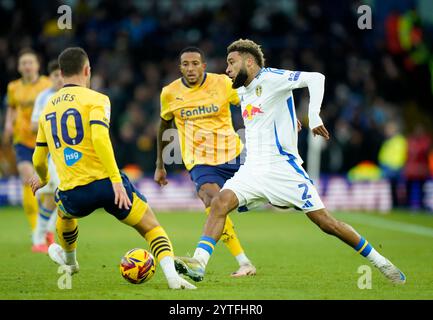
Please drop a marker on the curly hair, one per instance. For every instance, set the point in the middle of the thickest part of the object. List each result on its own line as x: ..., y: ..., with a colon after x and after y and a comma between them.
x: 248, y: 46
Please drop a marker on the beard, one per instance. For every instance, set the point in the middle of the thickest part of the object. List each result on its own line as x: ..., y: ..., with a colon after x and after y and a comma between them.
x: 240, y: 79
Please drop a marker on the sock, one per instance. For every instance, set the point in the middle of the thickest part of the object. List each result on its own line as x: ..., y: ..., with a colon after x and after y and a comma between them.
x: 42, y: 225
x: 167, y: 266
x: 242, y: 259
x: 229, y: 237
x: 67, y: 231
x: 204, y: 250
x: 30, y: 205
x: 159, y: 243
x: 71, y: 257
x: 367, y: 251
x: 52, y: 222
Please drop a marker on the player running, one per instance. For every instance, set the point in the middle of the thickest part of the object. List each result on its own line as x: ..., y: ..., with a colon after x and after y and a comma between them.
x: 273, y: 168
x: 21, y: 96
x: 199, y: 104
x: 43, y: 235
x: 74, y: 129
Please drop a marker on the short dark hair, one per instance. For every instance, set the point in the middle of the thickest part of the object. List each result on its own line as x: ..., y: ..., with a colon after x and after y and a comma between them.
x: 27, y: 51
x: 248, y: 46
x: 53, y: 65
x: 193, y: 49
x: 72, y: 60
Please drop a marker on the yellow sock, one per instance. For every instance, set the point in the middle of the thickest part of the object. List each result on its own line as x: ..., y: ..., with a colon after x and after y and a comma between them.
x: 159, y: 243
x: 67, y: 231
x: 229, y: 237
x: 30, y: 204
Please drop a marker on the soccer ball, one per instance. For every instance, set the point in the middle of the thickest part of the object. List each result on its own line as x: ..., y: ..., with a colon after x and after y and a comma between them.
x: 137, y: 266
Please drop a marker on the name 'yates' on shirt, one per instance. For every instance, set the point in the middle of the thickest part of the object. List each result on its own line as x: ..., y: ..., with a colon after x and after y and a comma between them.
x: 63, y: 97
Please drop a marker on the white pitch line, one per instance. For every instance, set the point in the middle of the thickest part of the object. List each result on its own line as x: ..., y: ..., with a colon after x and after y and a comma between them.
x: 391, y: 225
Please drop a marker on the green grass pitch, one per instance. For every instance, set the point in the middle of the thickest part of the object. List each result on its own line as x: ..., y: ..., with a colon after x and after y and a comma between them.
x: 294, y: 259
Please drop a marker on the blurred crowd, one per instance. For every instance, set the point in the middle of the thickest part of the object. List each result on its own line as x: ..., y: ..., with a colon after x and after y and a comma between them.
x: 378, y: 81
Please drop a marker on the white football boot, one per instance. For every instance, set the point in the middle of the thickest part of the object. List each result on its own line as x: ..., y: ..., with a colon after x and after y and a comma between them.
x: 392, y: 273
x: 245, y: 270
x: 57, y: 254
x: 180, y: 283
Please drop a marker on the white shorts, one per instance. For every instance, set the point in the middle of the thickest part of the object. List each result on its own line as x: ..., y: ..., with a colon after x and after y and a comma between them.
x: 52, y: 185
x: 282, y: 184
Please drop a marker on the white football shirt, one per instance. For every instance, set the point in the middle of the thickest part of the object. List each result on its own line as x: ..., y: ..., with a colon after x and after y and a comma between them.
x: 269, y: 114
x: 40, y: 102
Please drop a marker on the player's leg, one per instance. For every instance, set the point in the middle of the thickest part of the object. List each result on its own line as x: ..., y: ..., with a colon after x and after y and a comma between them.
x: 42, y: 236
x: 30, y: 203
x: 65, y: 253
x: 49, y: 202
x: 51, y: 228
x: 142, y: 219
x: 71, y: 205
x: 206, y: 193
x: 221, y: 205
x: 327, y: 223
x: 289, y: 184
x: 242, y: 190
x: 50, y: 205
x: 46, y: 224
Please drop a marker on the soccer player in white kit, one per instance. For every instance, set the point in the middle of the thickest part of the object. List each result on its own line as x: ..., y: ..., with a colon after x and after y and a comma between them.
x: 273, y: 171
x: 43, y: 236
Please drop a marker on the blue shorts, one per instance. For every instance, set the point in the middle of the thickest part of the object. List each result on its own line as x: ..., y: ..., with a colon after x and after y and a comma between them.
x: 23, y: 153
x: 219, y: 174
x: 83, y: 200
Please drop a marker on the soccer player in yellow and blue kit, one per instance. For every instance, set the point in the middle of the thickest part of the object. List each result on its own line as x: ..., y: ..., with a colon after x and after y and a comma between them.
x: 21, y: 96
x: 74, y: 129
x: 199, y: 104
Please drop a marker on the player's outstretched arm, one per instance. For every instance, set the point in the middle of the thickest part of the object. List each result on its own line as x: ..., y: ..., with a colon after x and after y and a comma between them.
x: 315, y: 82
x: 160, y: 176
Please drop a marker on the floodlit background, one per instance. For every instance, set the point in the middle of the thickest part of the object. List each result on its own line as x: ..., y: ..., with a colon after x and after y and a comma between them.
x: 379, y: 83
x: 375, y: 173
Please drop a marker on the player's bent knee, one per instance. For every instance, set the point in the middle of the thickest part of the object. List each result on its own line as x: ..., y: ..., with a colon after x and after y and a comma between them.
x: 207, y: 192
x: 219, y: 206
x: 147, y: 222
x: 138, y: 210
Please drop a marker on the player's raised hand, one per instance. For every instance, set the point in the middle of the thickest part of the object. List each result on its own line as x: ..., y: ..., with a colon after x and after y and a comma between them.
x: 121, y: 198
x: 321, y: 131
x: 35, y: 183
x: 160, y: 176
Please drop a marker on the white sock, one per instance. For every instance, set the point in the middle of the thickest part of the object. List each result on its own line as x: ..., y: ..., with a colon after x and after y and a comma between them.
x: 52, y: 222
x: 167, y: 266
x: 44, y: 217
x: 242, y: 259
x: 38, y: 236
x: 202, y: 256
x: 376, y: 258
x: 71, y: 257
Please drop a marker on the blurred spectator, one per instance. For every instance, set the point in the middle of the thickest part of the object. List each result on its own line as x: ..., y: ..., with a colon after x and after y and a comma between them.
x: 133, y: 46
x: 416, y: 171
x: 392, y: 158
